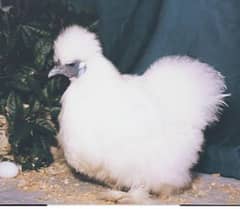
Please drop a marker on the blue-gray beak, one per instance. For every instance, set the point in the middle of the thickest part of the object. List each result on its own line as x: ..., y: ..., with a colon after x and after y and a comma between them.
x: 69, y: 70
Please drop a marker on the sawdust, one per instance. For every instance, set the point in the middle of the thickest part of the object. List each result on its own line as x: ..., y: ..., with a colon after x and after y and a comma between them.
x: 5, y: 146
x: 58, y: 183
x: 61, y: 185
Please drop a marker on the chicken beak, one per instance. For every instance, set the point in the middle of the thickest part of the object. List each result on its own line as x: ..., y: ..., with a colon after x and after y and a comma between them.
x: 70, y: 71
x: 67, y: 71
x: 55, y: 71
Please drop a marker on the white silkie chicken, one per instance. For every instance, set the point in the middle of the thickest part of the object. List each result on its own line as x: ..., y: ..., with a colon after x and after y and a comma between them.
x: 139, y: 132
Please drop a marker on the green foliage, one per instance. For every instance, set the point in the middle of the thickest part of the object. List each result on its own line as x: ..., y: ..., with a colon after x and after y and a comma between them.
x: 27, y: 98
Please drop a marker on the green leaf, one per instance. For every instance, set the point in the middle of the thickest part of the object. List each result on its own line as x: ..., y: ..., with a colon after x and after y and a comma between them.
x: 23, y: 80
x: 30, y: 30
x: 20, y: 135
x: 45, y: 126
x: 42, y: 49
x: 20, y: 84
x: 2, y: 106
x: 14, y: 106
x: 55, y: 112
x: 26, y: 39
x: 45, y: 94
x: 36, y: 106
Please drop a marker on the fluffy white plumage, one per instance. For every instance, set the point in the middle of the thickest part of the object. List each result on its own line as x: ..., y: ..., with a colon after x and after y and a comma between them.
x: 141, y: 132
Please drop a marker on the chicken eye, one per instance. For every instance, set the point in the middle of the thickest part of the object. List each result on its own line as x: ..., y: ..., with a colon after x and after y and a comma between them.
x: 71, y: 64
x: 57, y: 62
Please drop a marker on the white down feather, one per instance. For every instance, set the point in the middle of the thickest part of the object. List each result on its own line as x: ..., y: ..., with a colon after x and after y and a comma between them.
x: 135, y: 131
